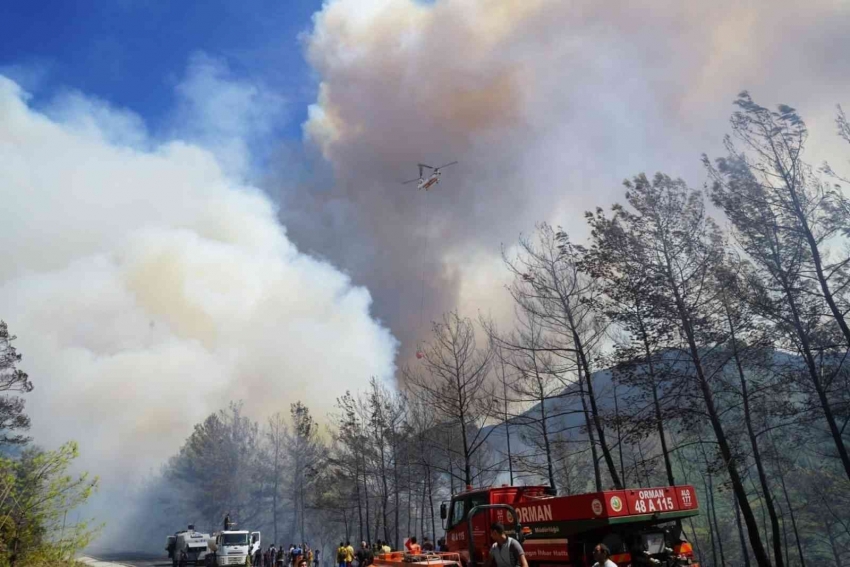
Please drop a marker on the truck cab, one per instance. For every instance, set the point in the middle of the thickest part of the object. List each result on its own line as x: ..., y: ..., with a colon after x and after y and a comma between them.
x: 639, y: 526
x: 232, y: 547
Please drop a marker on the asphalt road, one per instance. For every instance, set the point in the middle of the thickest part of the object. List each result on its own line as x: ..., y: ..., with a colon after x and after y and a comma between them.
x: 137, y: 559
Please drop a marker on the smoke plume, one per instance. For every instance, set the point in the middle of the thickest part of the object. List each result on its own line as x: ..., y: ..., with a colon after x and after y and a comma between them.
x: 547, y: 106
x: 148, y: 289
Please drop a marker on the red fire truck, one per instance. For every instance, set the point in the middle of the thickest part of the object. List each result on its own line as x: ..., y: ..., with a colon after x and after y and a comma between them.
x: 639, y: 526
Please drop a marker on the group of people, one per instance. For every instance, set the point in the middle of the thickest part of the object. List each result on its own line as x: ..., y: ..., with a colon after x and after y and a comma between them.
x: 346, y: 556
x: 505, y: 552
x: 427, y: 545
x: 296, y: 556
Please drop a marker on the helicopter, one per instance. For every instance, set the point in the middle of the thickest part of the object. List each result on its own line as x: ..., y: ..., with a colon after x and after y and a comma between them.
x: 432, y: 179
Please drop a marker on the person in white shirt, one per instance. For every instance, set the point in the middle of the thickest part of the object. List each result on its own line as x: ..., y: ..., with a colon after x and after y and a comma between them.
x: 601, y: 553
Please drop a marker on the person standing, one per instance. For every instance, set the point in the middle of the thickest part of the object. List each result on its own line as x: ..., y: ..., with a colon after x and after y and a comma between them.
x: 412, y: 546
x: 349, y: 554
x: 341, y: 554
x: 601, y: 553
x: 364, y: 555
x: 361, y: 554
x: 506, y: 551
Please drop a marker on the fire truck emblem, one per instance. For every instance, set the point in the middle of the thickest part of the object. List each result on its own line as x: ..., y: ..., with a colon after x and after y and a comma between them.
x: 596, y: 506
x: 686, y: 498
x: 509, y: 516
x: 616, y: 503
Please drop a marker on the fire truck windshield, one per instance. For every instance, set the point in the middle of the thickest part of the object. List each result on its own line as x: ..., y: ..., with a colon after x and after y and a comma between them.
x: 235, y: 539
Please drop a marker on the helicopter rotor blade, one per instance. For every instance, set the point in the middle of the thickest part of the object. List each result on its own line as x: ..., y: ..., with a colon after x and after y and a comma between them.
x: 411, y: 181
x: 425, y: 165
x: 446, y: 165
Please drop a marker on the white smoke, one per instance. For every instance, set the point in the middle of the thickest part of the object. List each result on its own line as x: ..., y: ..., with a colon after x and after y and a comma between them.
x: 548, y: 105
x: 148, y: 288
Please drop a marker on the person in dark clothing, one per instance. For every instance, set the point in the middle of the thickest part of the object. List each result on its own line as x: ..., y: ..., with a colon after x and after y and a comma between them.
x: 258, y: 558
x: 227, y: 521
x: 365, y: 556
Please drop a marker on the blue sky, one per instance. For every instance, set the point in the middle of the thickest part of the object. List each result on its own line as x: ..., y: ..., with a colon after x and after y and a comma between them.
x: 133, y: 53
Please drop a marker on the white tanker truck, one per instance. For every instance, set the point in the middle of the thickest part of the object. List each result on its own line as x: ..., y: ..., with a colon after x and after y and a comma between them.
x: 231, y: 547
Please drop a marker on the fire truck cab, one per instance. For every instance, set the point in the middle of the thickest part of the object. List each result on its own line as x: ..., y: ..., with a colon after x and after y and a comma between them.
x: 639, y: 526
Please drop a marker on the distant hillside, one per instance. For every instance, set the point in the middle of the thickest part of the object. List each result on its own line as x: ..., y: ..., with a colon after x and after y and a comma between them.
x: 567, y: 409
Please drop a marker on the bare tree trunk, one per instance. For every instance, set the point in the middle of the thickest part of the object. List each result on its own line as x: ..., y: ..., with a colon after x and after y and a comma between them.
x: 506, y: 419
x: 762, y: 508
x: 357, y: 490
x: 695, y: 538
x: 431, y: 504
x: 597, y: 475
x: 385, y: 497
x: 784, y: 535
x: 643, y: 464
x: 422, y: 510
x: 451, y: 465
x: 274, y: 508
x: 748, y: 420
x: 397, y: 491
x: 714, y: 519
x: 366, y: 498
x: 690, y: 521
x: 745, y: 555
x: 711, y: 532
x: 377, y: 527
x: 409, y: 496
x: 790, y: 511
x: 597, y: 421
x: 619, y: 436
x: 303, y: 508
x: 545, y: 430
x: 659, y: 421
